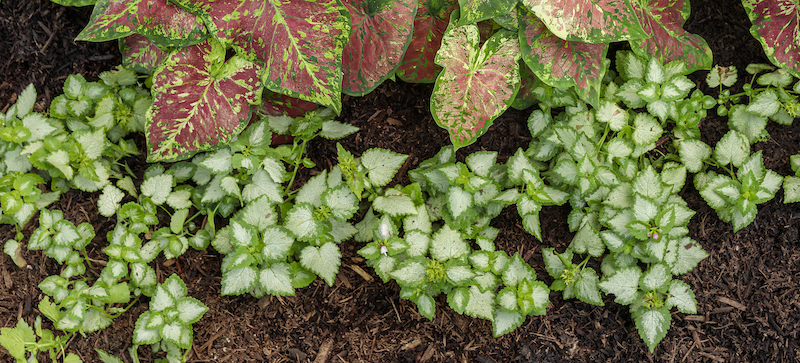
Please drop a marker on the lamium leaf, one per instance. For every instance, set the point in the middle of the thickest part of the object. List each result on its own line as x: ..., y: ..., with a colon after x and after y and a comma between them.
x: 586, y: 288
x: 592, y: 21
x: 477, y: 84
x: 323, y: 261
x: 775, y: 25
x: 652, y: 325
x: 277, y: 279
x: 199, y: 101
x: 667, y: 41
x: 448, y: 244
x: 505, y: 321
x: 430, y: 24
x: 380, y: 34
x: 190, y: 310
x: 300, y: 42
x: 682, y: 297
x: 562, y: 63
x: 382, y: 164
x: 239, y: 281
x: 623, y: 284
x: 109, y: 201
x: 732, y: 148
x: 165, y: 23
x: 693, y: 153
x: 140, y: 53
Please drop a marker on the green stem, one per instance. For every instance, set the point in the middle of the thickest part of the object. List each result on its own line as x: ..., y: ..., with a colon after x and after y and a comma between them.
x: 297, y: 162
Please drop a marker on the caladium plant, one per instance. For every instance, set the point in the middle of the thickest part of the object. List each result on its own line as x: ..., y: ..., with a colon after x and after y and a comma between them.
x: 477, y: 84
x: 775, y: 27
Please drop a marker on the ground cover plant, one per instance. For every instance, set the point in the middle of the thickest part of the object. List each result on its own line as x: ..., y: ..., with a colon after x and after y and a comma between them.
x: 457, y: 190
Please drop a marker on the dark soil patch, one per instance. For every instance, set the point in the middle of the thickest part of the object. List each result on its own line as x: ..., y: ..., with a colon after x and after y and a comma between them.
x: 746, y: 290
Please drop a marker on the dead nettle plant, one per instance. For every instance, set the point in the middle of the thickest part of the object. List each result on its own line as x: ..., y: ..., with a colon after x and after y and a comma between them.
x: 211, y: 60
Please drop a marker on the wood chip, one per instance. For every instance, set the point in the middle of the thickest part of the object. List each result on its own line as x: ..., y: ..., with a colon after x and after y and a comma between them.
x: 324, y: 351
x: 730, y: 302
x: 393, y: 121
x: 296, y: 354
x: 412, y: 344
x: 699, y: 318
x: 428, y: 353
x: 361, y: 272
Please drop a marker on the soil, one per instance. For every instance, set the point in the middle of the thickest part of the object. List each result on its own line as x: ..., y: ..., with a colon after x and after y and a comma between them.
x: 747, y: 290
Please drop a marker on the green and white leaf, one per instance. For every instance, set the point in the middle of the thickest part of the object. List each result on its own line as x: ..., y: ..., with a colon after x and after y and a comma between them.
x: 262, y: 184
x: 448, y: 244
x: 157, y: 188
x: 395, y: 205
x: 480, y: 304
x: 277, y: 279
x: 733, y: 148
x: 190, y: 310
x: 652, y: 325
x: 382, y: 165
x: 587, y: 289
x: 239, y: 281
x: 682, y: 297
x: 410, y: 273
x: 505, y: 321
x: 219, y: 162
x: 655, y: 278
x: 334, y: 130
x: 623, y: 284
x: 312, y: 191
x: 323, y: 261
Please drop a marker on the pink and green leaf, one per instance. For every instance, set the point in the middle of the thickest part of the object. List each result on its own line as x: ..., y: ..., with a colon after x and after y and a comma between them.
x: 140, y: 53
x: 668, y: 41
x: 591, y: 21
x: 473, y: 11
x: 477, y: 84
x: 562, y: 63
x: 429, y: 27
x: 381, y: 32
x: 776, y: 24
x: 199, y: 101
x: 165, y: 23
x: 276, y: 104
x: 299, y: 41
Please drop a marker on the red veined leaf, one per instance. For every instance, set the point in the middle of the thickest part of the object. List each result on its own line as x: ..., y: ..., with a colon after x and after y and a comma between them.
x: 429, y: 27
x: 591, y: 21
x: 668, y: 41
x: 477, y: 84
x: 562, y: 63
x: 299, y: 41
x: 380, y: 34
x: 473, y: 11
x: 776, y: 24
x: 199, y: 101
x: 277, y: 104
x: 525, y: 97
x: 140, y: 53
x: 164, y: 23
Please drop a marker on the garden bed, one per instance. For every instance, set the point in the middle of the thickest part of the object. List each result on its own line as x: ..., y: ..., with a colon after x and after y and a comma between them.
x: 746, y: 290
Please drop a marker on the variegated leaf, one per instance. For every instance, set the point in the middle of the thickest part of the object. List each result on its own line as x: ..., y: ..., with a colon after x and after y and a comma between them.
x: 562, y: 63
x: 775, y: 25
x: 300, y: 42
x: 199, y: 101
x: 380, y: 34
x: 663, y: 21
x: 473, y: 11
x: 163, y: 22
x: 429, y: 27
x: 592, y: 21
x: 276, y: 104
x: 140, y: 53
x: 477, y: 85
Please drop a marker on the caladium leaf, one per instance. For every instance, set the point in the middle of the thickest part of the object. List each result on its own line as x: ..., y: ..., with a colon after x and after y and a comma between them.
x: 199, y: 101
x: 276, y: 104
x: 562, y: 63
x: 430, y: 24
x: 477, y: 85
x: 592, y: 21
x: 380, y: 34
x: 663, y: 21
x: 163, y: 22
x: 473, y: 11
x: 775, y: 25
x: 299, y: 41
x: 140, y: 53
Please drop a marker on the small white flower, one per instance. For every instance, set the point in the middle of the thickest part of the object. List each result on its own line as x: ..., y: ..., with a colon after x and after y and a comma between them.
x: 384, y: 250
